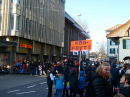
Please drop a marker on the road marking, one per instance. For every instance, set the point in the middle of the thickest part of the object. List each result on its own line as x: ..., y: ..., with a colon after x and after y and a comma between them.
x: 26, y: 92
x: 43, y: 83
x: 31, y: 86
x: 13, y: 91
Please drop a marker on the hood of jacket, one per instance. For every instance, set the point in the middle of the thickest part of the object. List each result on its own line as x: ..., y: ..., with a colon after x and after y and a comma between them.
x: 81, y: 73
x: 113, y: 66
x: 72, y: 72
x: 89, y: 68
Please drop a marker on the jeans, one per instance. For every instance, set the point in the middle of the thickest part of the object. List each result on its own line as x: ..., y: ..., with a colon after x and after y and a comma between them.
x: 49, y: 90
x: 32, y: 71
x: 35, y: 70
x: 73, y: 91
x: 59, y: 92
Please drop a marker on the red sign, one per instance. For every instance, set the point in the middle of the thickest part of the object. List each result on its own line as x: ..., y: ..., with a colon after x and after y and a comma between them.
x: 81, y: 45
x: 26, y: 46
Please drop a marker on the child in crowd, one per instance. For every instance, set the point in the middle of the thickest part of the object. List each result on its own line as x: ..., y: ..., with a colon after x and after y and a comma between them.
x: 73, y: 80
x: 59, y: 84
x: 125, y: 80
x: 40, y: 68
x: 50, y: 78
x: 81, y: 84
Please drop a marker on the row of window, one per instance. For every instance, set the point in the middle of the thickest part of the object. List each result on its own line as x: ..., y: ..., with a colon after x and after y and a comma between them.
x: 113, y: 51
x: 12, y: 1
x: 126, y: 43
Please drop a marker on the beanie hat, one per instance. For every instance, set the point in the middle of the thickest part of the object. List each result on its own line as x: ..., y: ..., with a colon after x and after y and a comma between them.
x: 75, y: 69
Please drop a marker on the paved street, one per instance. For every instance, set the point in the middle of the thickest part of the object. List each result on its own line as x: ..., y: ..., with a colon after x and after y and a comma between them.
x: 23, y: 86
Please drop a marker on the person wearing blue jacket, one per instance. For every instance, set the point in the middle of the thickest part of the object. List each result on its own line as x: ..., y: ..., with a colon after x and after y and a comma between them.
x: 59, y: 84
x: 81, y: 83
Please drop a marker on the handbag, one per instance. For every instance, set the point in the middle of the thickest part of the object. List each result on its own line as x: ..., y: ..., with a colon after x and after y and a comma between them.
x: 67, y: 85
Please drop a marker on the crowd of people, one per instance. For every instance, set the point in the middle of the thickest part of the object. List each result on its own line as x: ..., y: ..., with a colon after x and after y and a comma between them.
x: 92, y: 79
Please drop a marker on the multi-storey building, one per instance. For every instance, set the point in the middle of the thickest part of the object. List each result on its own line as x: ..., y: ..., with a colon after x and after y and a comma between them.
x: 121, y: 36
x: 73, y: 32
x: 112, y: 47
x: 31, y: 30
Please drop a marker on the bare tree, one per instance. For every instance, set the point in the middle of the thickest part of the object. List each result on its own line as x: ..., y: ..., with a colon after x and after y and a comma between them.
x: 102, y: 48
x: 82, y: 23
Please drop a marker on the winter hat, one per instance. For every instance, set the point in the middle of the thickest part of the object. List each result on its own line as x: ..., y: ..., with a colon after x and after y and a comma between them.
x: 75, y: 69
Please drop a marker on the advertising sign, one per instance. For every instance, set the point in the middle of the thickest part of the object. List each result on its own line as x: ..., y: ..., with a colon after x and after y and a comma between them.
x: 84, y: 52
x: 81, y: 45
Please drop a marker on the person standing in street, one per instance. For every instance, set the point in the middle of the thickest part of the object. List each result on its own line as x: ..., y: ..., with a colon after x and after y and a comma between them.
x: 50, y: 79
x: 40, y: 68
x: 32, y: 67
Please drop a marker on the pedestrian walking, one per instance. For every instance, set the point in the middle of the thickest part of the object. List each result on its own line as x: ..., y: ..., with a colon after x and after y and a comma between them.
x: 50, y: 79
x: 73, y: 80
x: 40, y: 68
x: 32, y: 67
x: 59, y: 84
x: 81, y: 83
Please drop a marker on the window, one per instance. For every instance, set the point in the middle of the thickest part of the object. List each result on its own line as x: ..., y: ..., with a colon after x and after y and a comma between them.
x: 29, y: 27
x: 117, y: 51
x: 128, y: 44
x: 11, y: 21
x: 18, y: 22
x: 15, y: 1
x: 1, y: 1
x: 112, y: 43
x: 0, y: 22
x: 112, y: 51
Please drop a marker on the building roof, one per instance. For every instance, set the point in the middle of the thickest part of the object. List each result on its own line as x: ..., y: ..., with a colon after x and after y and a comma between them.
x: 119, y: 32
x: 67, y: 16
x: 114, y: 27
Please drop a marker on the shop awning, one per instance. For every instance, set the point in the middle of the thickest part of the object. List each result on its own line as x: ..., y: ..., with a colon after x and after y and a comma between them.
x: 7, y: 43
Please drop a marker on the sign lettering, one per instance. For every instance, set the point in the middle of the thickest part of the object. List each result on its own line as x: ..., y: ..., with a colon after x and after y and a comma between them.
x: 26, y: 46
x: 81, y: 45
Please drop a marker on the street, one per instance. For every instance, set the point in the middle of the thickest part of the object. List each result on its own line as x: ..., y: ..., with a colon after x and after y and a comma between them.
x: 24, y: 86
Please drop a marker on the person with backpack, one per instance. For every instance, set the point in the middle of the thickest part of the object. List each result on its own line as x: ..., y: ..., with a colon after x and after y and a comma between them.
x: 99, y: 85
x: 73, y: 80
x: 81, y: 83
x: 50, y: 78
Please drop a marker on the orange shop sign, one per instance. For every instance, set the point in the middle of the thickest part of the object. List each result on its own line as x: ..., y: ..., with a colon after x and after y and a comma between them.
x: 81, y: 45
x: 26, y: 46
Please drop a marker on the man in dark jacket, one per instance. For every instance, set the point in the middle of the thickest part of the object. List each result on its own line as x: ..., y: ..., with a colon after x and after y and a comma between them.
x: 66, y: 75
x: 73, y: 80
x: 115, y: 75
x: 32, y: 67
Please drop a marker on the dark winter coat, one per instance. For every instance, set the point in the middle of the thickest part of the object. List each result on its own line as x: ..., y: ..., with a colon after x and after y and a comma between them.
x: 114, y: 72
x: 66, y: 72
x: 73, y: 79
x: 32, y: 65
x: 101, y: 87
x: 125, y: 91
x: 89, y: 73
x: 82, y: 81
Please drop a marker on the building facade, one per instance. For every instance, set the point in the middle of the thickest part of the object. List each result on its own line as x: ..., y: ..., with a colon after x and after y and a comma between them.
x: 121, y: 36
x: 73, y: 32
x: 112, y: 47
x: 36, y: 26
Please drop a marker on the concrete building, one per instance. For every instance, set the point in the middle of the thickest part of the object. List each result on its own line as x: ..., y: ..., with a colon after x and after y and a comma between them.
x: 121, y: 36
x: 31, y: 30
x: 112, y: 47
x: 73, y: 32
